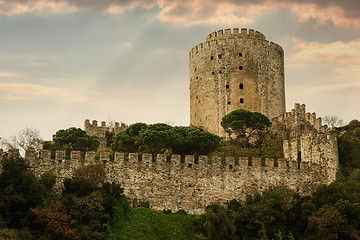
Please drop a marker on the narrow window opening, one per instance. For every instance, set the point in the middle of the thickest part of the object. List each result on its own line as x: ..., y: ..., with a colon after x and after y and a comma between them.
x: 227, y: 86
x: 229, y: 102
x: 299, y: 159
x: 220, y: 71
x: 241, y: 68
x: 241, y: 100
x: 219, y: 56
x: 189, y: 165
x: 213, y: 73
x: 240, y: 54
x: 212, y: 58
x: 241, y: 86
x: 230, y: 166
x: 195, y: 69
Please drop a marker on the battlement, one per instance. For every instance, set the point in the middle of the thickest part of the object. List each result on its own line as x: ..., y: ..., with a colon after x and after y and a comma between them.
x: 147, y: 160
x: 114, y: 128
x: 189, y: 182
x: 229, y: 35
x: 299, y: 117
x: 233, y: 33
x: 103, y: 133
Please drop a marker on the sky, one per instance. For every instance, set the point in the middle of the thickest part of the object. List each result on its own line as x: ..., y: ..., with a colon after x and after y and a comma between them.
x: 64, y: 61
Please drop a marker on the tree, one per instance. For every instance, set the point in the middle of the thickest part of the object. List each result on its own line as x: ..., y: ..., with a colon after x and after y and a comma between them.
x: 94, y: 173
x: 163, y: 138
x: 333, y: 121
x: 27, y: 138
x: 19, y: 191
x: 72, y: 139
x: 325, y: 224
x: 130, y: 139
x: 349, y: 146
x: 243, y: 124
x: 156, y: 138
x: 56, y: 222
x: 193, y: 140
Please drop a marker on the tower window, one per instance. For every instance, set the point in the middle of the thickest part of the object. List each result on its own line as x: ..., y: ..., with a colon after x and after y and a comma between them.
x: 220, y: 71
x: 219, y: 56
x: 241, y: 86
x: 240, y: 54
x: 213, y: 73
x: 229, y: 102
x: 195, y: 69
x: 212, y: 58
x: 241, y: 100
x: 241, y: 68
x: 227, y: 86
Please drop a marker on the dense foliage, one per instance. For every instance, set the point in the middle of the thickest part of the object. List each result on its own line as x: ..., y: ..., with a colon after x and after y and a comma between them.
x: 242, y: 125
x: 72, y: 139
x: 349, y: 146
x: 30, y: 210
x: 162, y: 138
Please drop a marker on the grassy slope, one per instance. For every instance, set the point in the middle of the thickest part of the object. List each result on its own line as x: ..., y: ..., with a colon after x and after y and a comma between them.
x: 147, y: 224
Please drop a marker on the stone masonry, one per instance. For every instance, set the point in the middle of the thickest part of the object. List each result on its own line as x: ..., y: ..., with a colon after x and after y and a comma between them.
x: 103, y: 133
x: 234, y: 70
x: 191, y: 184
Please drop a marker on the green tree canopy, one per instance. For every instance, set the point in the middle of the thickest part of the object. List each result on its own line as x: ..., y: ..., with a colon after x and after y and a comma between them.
x: 243, y: 124
x: 72, y: 139
x: 19, y: 191
x: 349, y: 146
x: 163, y: 138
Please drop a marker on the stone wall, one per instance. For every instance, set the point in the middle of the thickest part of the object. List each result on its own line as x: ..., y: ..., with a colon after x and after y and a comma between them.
x: 103, y: 133
x: 189, y: 183
x: 234, y: 70
x: 306, y: 140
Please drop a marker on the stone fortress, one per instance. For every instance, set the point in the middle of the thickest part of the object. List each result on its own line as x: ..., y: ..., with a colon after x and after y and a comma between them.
x: 191, y: 183
x: 234, y: 70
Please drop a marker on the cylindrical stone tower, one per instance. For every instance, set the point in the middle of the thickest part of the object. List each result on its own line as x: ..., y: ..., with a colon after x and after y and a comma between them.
x: 235, y: 70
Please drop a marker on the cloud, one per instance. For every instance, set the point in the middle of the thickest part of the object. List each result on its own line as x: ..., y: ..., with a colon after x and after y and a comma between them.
x: 15, y: 7
x: 8, y: 74
x: 341, y: 61
x: 340, y: 16
x: 344, y: 13
x: 28, y: 60
x: 21, y: 91
x: 338, y: 52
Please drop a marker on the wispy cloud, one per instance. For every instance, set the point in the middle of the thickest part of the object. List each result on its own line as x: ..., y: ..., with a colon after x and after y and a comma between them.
x: 21, y: 91
x: 8, y: 74
x: 345, y: 13
x: 28, y: 60
x: 342, y: 60
x: 339, y: 52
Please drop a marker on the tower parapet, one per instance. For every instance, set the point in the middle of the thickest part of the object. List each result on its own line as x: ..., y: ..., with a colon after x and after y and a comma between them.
x: 235, y: 70
x: 307, y: 141
x: 104, y: 133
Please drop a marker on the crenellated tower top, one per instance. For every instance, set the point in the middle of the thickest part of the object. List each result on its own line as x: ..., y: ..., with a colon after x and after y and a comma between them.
x: 233, y: 70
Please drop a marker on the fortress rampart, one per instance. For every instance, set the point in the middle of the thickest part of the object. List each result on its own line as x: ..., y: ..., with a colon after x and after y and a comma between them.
x: 235, y: 70
x: 103, y: 133
x: 190, y: 183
